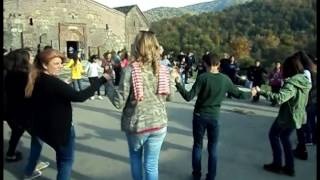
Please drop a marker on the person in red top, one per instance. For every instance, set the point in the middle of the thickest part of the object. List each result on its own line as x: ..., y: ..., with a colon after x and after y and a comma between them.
x: 124, y: 61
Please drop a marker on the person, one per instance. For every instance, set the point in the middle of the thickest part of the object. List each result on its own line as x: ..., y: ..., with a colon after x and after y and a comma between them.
x: 107, y: 66
x: 210, y: 87
x: 124, y: 59
x: 16, y: 67
x: 92, y: 71
x: 232, y: 71
x: 17, y: 64
x: 51, y: 107
x: 76, y: 71
x: 293, y: 99
x: 116, y: 63
x: 144, y: 88
x: 165, y: 61
x: 256, y: 75
x: 306, y: 135
x: 275, y: 80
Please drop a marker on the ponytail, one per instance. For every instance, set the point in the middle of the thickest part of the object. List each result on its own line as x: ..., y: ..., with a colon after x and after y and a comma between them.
x: 32, y: 76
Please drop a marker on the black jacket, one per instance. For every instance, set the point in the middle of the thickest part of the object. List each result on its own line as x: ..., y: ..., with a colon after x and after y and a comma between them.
x: 52, y: 111
x: 17, y: 107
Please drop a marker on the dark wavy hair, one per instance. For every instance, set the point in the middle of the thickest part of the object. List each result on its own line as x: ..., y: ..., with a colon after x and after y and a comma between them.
x: 293, y: 65
x: 17, y: 60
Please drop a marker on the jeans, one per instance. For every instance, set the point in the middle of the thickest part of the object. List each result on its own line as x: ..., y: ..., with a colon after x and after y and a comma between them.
x: 75, y: 82
x: 35, y: 151
x: 65, y: 157
x: 200, y: 124
x: 277, y: 134
x: 146, y: 146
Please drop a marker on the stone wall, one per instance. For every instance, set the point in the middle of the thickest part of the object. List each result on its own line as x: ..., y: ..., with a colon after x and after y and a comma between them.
x: 135, y: 22
x: 99, y: 27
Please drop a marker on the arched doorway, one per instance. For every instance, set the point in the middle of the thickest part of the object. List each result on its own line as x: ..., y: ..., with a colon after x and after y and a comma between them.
x: 72, y: 39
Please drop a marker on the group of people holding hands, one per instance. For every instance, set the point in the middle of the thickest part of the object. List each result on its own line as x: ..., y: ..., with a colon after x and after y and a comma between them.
x: 34, y: 90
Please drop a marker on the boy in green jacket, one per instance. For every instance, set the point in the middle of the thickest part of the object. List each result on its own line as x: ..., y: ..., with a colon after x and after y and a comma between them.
x: 292, y: 98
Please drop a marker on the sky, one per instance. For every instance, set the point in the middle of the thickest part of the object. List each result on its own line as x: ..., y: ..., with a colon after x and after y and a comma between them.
x: 145, y: 5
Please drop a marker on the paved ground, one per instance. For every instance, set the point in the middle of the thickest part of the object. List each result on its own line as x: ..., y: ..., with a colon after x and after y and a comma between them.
x: 102, y: 154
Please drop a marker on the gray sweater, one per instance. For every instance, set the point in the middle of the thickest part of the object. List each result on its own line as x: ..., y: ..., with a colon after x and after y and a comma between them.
x: 144, y: 115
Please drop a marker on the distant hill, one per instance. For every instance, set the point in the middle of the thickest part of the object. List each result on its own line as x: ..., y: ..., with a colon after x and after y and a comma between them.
x: 157, y: 14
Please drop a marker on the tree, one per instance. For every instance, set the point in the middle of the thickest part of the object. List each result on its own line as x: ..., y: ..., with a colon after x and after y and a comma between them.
x: 240, y: 47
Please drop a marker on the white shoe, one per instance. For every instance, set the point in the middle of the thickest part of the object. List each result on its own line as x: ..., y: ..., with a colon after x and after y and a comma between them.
x: 34, y: 175
x: 92, y: 98
x: 100, y: 97
x: 42, y: 165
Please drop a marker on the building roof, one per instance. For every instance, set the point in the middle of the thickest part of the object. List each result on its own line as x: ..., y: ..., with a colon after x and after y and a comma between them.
x: 125, y: 9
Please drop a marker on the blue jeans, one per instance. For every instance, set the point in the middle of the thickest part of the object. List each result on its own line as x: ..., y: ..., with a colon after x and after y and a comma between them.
x: 65, y: 157
x: 146, y: 146
x: 35, y: 151
x: 277, y: 134
x: 75, y: 82
x: 200, y: 124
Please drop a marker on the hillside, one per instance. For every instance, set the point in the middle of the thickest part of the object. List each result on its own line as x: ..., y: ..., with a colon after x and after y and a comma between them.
x: 268, y: 30
x: 157, y: 14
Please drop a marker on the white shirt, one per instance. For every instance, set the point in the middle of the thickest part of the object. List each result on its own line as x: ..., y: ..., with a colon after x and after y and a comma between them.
x: 92, y: 69
x: 165, y: 62
x: 308, y: 75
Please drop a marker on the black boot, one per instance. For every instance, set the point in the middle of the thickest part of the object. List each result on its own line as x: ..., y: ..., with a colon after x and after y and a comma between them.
x: 272, y: 168
x: 288, y: 171
x: 303, y: 155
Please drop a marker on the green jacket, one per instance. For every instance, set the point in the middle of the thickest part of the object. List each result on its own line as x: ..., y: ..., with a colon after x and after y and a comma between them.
x: 293, y: 97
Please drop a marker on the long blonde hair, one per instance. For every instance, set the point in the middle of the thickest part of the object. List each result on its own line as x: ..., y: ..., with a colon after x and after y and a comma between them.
x: 147, y: 50
x: 44, y: 57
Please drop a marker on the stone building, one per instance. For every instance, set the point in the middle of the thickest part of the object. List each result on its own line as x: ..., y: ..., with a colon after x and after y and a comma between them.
x: 82, y: 25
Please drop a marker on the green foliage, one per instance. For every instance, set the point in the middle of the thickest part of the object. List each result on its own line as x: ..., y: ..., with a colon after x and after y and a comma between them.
x: 269, y: 30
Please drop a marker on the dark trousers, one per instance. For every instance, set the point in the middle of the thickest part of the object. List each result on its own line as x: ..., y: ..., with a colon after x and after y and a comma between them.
x: 117, y: 73
x: 277, y: 134
x: 16, y: 133
x: 201, y: 124
x: 92, y: 80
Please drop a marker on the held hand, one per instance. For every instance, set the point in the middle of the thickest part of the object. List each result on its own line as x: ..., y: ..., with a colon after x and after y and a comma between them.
x: 257, y: 89
x: 175, y: 75
x: 253, y: 91
x: 107, y: 76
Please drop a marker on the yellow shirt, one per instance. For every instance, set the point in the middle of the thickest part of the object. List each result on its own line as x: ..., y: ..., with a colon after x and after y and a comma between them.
x: 76, y: 70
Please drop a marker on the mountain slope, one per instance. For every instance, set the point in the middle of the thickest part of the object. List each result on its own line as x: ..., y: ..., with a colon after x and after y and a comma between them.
x: 157, y: 14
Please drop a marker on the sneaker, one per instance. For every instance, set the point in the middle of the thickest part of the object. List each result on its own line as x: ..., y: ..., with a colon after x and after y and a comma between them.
x: 14, y: 158
x: 272, y: 168
x: 100, y: 97
x: 34, y: 175
x: 92, y: 98
x: 42, y: 165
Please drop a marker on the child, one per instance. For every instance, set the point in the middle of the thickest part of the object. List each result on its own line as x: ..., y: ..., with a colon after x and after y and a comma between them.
x: 92, y: 71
